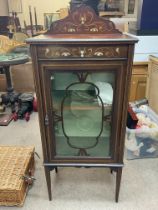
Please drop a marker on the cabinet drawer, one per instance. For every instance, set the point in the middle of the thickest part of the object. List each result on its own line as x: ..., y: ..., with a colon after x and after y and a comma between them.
x: 50, y: 52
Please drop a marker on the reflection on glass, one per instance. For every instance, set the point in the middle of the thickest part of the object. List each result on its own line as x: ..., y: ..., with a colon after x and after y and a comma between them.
x: 131, y: 6
x: 49, y: 18
x: 82, y: 106
x: 111, y: 5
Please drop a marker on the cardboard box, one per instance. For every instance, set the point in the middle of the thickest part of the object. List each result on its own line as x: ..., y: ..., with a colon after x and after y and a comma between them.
x: 22, y: 77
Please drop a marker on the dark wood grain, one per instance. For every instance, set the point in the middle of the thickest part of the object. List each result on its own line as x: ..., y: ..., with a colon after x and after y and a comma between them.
x: 83, y: 20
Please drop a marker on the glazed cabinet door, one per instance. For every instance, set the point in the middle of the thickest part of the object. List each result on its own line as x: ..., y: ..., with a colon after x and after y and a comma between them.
x: 83, y: 109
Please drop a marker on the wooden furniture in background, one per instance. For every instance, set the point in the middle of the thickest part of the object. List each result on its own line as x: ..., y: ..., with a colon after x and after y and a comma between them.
x: 111, y: 14
x: 3, y: 83
x: 22, y: 78
x: 138, y: 81
x: 75, y: 64
x: 152, y: 83
x: 7, y: 60
x: 15, y: 22
x: 31, y: 21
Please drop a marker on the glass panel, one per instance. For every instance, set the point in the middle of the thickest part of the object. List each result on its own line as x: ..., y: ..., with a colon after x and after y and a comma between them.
x: 111, y: 5
x: 131, y: 6
x: 82, y: 106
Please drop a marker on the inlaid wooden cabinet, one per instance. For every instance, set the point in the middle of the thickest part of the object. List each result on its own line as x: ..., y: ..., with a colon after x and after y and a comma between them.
x: 82, y: 69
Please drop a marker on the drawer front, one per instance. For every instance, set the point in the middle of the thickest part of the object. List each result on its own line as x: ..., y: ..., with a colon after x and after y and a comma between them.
x: 50, y: 52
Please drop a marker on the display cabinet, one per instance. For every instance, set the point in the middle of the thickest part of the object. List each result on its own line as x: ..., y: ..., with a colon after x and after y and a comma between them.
x: 82, y: 69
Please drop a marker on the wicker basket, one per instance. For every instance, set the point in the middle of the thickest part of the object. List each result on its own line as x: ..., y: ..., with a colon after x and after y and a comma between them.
x: 15, y: 163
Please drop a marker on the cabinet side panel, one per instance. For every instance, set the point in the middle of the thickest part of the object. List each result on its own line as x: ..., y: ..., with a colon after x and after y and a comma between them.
x: 38, y: 90
x: 125, y: 101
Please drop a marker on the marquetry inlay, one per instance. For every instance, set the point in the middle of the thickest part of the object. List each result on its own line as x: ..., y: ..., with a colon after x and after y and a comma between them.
x: 83, y: 20
x: 82, y: 52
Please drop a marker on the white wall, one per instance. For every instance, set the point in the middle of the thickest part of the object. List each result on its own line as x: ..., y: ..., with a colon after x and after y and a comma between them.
x: 147, y: 45
x: 42, y: 6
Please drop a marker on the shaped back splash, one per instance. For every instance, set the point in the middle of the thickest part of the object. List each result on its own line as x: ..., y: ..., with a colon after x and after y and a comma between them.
x: 83, y: 20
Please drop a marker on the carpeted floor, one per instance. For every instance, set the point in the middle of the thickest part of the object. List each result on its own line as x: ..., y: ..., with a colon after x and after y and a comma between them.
x: 80, y: 188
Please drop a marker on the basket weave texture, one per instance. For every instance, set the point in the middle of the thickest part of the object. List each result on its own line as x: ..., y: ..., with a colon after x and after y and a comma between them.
x: 15, y: 162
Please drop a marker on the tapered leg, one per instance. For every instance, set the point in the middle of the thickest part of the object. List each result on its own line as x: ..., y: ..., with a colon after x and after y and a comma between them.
x: 118, y: 182
x: 48, y: 180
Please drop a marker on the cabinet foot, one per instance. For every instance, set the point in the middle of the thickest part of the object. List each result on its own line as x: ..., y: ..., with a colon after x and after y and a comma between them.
x: 48, y: 180
x: 118, y: 182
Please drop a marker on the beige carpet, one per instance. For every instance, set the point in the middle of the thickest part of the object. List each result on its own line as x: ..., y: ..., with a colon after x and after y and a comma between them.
x: 80, y: 188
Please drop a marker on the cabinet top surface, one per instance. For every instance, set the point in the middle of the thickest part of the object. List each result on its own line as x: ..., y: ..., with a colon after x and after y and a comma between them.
x: 53, y: 38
